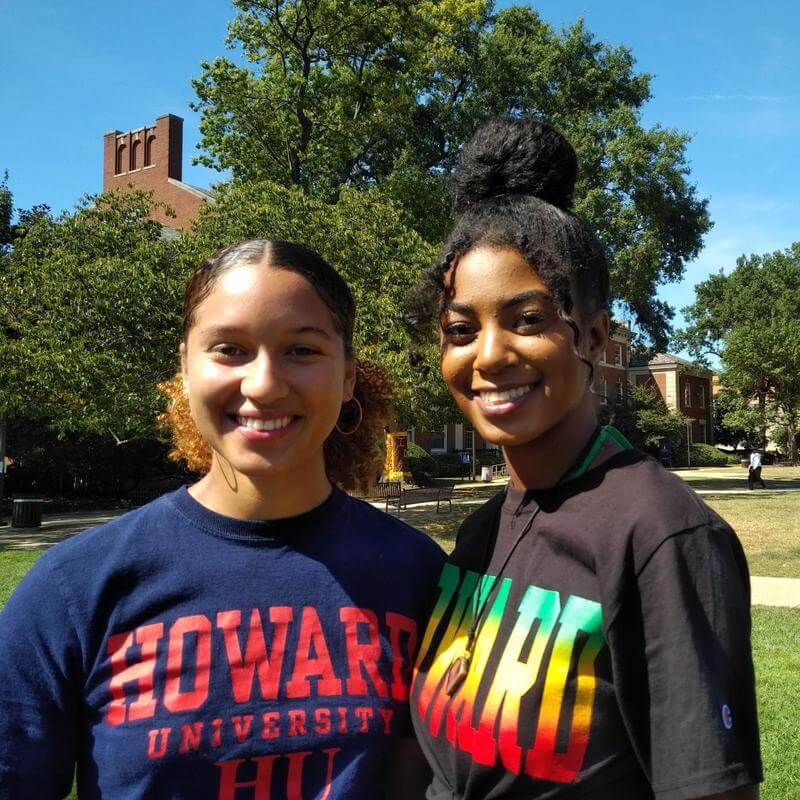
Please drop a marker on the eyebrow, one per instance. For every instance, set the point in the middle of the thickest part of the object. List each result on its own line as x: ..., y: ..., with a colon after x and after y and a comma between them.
x: 517, y: 299
x: 216, y: 331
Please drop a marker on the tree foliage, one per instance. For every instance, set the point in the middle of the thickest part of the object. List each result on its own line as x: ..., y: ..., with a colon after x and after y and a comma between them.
x: 361, y: 93
x: 654, y: 420
x: 89, y: 318
x: 748, y: 318
x: 6, y: 210
x: 645, y: 420
x: 737, y: 420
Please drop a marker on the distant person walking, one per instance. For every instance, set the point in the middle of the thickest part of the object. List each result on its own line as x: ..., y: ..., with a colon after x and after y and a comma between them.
x: 754, y: 471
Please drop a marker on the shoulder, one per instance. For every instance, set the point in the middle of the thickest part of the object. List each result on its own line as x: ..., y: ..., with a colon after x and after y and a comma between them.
x: 120, y: 530
x: 391, y: 534
x: 105, y: 548
x: 636, y: 497
x: 473, y: 531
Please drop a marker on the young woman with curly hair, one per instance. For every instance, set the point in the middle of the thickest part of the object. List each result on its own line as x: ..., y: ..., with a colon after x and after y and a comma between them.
x: 591, y: 633
x: 251, y: 635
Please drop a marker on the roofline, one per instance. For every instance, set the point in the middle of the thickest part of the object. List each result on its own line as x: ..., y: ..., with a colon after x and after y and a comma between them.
x: 203, y: 194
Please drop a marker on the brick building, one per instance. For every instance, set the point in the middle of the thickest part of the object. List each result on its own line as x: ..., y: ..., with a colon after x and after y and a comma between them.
x: 611, y: 374
x: 151, y: 159
x: 684, y: 386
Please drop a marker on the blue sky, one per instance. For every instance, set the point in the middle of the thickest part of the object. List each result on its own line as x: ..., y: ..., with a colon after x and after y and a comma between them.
x: 727, y: 73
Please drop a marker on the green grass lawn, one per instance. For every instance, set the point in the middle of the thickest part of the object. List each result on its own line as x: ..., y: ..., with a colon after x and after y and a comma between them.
x: 776, y: 634
x: 726, y: 478
x: 13, y: 565
x: 769, y: 528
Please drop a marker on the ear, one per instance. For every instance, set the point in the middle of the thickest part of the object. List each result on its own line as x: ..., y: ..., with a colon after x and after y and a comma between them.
x: 349, y: 380
x: 597, y: 331
x: 184, y: 372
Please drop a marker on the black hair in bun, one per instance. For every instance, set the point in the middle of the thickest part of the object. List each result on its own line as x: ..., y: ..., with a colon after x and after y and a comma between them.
x: 514, y: 188
x: 517, y: 156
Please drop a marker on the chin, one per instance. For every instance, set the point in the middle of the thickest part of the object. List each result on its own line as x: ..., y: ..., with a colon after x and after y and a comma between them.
x: 511, y: 435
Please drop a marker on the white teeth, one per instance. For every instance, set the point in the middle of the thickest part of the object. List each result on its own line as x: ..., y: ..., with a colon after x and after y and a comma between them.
x: 496, y: 398
x: 264, y: 424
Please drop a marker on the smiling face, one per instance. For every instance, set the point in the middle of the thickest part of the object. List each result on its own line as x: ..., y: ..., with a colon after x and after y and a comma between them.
x: 266, y: 372
x: 507, y: 356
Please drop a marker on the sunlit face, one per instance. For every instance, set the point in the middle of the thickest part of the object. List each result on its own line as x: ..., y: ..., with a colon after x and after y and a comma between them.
x: 265, y: 371
x: 507, y: 356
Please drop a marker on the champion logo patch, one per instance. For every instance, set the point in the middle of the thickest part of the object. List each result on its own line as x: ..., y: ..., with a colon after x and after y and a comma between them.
x: 727, y: 717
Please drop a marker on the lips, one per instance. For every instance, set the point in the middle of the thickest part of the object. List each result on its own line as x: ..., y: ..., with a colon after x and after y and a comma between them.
x: 264, y: 424
x: 498, y: 402
x: 260, y: 429
x: 496, y: 397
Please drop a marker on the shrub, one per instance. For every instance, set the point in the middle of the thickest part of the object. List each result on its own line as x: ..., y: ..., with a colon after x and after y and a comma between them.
x: 706, y: 455
x: 448, y: 465
x: 415, y: 451
x: 488, y: 457
x: 421, y: 465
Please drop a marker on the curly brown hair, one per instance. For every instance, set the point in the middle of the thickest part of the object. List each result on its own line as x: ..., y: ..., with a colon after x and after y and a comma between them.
x: 352, y: 460
x: 513, y: 188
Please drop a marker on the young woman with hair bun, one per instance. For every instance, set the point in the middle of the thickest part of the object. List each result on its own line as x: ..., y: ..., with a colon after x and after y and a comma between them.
x: 591, y: 636
x: 252, y: 635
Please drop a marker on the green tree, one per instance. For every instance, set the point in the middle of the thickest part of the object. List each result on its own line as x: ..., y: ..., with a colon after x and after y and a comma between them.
x: 89, y: 319
x: 385, y: 93
x: 6, y: 210
x: 365, y: 238
x: 737, y: 420
x: 748, y: 318
x: 655, y: 421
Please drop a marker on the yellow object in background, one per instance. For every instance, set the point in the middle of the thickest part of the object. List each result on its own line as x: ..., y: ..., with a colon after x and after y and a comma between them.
x: 396, y: 449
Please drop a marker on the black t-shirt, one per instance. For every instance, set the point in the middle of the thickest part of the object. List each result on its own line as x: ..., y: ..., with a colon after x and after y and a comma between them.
x: 612, y: 658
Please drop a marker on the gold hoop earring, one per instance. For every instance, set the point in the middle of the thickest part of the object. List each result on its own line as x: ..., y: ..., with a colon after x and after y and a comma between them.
x: 358, y: 422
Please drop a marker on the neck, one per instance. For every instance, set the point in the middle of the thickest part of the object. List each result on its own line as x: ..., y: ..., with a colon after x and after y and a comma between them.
x: 234, y: 494
x: 540, y: 464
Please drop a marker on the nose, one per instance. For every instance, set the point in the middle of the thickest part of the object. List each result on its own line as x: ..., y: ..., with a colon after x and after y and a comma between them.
x: 494, y: 351
x: 263, y: 381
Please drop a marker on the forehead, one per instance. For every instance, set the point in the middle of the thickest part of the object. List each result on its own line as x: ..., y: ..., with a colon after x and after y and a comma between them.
x: 263, y: 297
x: 488, y: 276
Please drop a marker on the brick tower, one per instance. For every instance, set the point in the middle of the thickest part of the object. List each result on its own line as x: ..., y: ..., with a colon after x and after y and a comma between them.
x: 150, y: 159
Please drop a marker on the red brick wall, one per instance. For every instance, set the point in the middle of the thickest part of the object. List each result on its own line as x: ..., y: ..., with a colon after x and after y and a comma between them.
x: 166, y: 154
x: 694, y: 411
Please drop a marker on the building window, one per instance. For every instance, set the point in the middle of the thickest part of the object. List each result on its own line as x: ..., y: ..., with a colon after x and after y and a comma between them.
x: 411, y: 431
x: 136, y: 154
x: 120, y: 165
x: 604, y: 391
x: 469, y: 436
x: 148, y: 151
x: 687, y: 395
x: 439, y: 441
x: 618, y: 354
x: 703, y: 437
x: 620, y: 391
x: 703, y: 398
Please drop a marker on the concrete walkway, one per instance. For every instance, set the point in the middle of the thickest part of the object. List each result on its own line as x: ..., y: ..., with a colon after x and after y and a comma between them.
x: 775, y: 591
x: 770, y: 490
x: 55, y: 527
